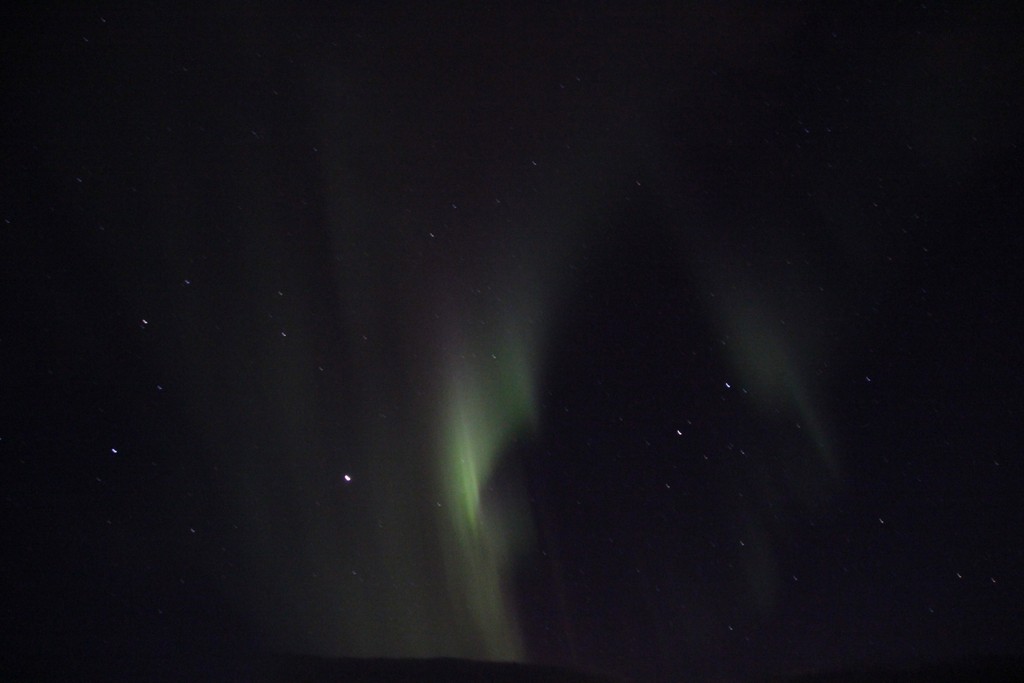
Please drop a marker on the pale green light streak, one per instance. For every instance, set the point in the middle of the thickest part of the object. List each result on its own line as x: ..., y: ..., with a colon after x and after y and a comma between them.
x: 775, y: 343
x: 774, y: 368
x: 489, y: 402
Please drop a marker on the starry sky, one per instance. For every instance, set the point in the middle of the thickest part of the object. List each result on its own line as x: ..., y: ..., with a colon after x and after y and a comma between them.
x: 672, y: 342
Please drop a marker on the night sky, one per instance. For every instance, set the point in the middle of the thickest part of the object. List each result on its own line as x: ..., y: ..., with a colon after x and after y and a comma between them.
x: 672, y: 343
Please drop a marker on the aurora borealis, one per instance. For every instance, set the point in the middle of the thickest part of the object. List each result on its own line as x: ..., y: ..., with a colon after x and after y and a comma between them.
x: 672, y: 343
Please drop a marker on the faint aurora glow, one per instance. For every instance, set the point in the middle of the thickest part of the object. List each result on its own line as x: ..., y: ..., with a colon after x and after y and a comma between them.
x: 489, y: 402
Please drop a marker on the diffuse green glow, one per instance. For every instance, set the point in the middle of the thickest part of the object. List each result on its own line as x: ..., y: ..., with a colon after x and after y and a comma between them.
x: 489, y: 401
x: 775, y: 369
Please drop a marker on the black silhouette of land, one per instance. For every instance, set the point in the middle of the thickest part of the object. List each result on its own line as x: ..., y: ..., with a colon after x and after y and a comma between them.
x: 321, y: 670
x: 278, y: 668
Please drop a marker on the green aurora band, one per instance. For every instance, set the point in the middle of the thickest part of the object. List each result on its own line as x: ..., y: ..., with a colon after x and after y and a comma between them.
x: 489, y: 403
